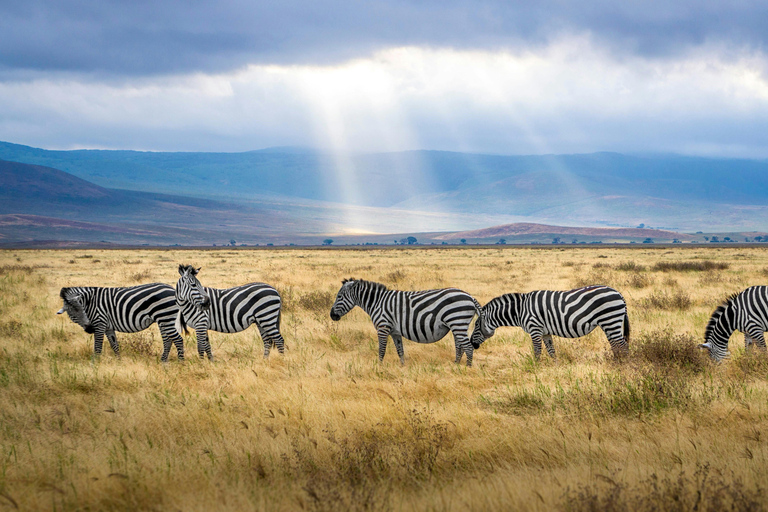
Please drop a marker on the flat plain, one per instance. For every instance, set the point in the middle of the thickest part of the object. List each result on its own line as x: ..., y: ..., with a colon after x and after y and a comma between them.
x: 328, y: 427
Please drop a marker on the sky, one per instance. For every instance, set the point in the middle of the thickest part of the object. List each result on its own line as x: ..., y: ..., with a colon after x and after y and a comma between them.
x: 478, y: 76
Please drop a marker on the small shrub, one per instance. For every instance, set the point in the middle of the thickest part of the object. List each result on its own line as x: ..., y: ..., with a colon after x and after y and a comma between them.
x: 140, y: 276
x: 671, y: 282
x: 638, y: 280
x: 317, y: 301
x: 752, y: 363
x: 395, y: 277
x: 665, y: 349
x: 704, y: 492
x: 11, y: 328
x: 630, y: 266
x: 688, y: 266
x: 141, y: 344
x: 23, y: 269
x: 677, y: 300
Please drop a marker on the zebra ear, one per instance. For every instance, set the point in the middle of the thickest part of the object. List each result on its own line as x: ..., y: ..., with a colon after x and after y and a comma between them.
x: 706, y: 345
x: 60, y: 311
x: 182, y: 268
x: 195, y: 271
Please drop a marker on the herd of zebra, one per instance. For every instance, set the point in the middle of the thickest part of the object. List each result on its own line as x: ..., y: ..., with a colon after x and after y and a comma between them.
x: 420, y: 316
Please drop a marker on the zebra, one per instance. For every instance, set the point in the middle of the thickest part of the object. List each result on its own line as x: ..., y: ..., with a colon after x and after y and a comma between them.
x: 568, y: 314
x: 229, y: 310
x: 746, y: 311
x: 101, y: 311
x: 420, y: 316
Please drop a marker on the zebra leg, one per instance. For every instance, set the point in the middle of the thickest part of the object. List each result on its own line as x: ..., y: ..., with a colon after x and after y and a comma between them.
x: 279, y: 342
x: 383, y: 335
x: 536, y: 340
x: 171, y: 337
x: 98, y: 342
x: 167, y: 342
x: 756, y: 338
x: 203, y: 343
x: 179, y: 342
x: 549, y: 345
x: 748, y: 342
x: 616, y: 338
x: 398, y: 340
x: 463, y: 346
x: 266, y: 340
x: 113, y: 342
x: 272, y: 338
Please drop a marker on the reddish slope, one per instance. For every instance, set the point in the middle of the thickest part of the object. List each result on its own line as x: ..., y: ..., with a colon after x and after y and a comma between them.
x: 525, y: 228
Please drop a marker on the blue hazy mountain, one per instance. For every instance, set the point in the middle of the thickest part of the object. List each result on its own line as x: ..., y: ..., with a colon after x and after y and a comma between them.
x: 583, y: 189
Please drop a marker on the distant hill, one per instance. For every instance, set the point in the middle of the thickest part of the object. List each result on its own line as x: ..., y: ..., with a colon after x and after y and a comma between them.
x: 529, y: 231
x: 38, y: 202
x: 45, y: 207
x: 673, y: 192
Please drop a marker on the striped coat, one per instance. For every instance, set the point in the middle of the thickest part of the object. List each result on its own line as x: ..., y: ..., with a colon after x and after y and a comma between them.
x: 227, y: 310
x: 104, y: 311
x: 746, y: 311
x: 420, y: 316
x: 567, y: 314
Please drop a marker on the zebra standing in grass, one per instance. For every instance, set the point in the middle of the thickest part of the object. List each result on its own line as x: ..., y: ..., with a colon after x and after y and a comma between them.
x: 568, y: 314
x: 746, y: 311
x: 228, y: 310
x: 423, y: 316
x: 101, y: 311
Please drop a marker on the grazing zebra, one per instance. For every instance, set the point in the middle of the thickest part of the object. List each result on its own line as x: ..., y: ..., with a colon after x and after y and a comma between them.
x: 229, y: 310
x: 423, y: 316
x: 568, y: 314
x: 101, y: 311
x: 746, y: 311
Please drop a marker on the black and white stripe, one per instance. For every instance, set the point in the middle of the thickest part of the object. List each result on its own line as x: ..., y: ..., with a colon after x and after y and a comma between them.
x: 568, y: 314
x: 420, y: 316
x: 101, y: 311
x: 746, y: 311
x: 229, y: 310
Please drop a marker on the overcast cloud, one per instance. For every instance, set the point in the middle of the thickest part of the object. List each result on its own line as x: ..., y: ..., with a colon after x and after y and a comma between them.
x: 489, y: 76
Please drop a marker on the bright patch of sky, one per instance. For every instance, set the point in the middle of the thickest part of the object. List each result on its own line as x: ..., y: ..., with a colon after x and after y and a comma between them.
x: 570, y: 96
x: 491, y: 76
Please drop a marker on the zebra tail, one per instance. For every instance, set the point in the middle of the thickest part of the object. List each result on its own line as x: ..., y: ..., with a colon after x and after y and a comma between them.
x: 626, y: 327
x: 480, y: 315
x: 181, y: 325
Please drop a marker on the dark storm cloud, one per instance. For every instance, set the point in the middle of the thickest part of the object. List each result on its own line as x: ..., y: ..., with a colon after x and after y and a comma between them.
x: 156, y: 37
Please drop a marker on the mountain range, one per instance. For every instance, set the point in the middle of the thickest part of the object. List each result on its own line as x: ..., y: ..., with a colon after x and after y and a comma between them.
x: 291, y: 195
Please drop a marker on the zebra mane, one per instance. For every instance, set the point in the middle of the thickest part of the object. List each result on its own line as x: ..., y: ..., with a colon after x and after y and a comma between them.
x: 188, y: 268
x: 717, y: 314
x: 67, y: 294
x: 370, y: 284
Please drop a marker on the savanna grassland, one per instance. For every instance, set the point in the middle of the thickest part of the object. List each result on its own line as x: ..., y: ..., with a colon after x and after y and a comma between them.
x: 327, y: 427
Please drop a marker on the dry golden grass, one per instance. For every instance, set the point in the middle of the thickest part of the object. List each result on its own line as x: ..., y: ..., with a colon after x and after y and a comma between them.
x: 326, y: 427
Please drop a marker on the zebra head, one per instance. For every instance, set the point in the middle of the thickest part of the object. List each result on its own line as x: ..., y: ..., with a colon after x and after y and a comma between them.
x: 482, y: 331
x: 719, y: 329
x: 345, y: 300
x: 189, y: 289
x: 74, y: 307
